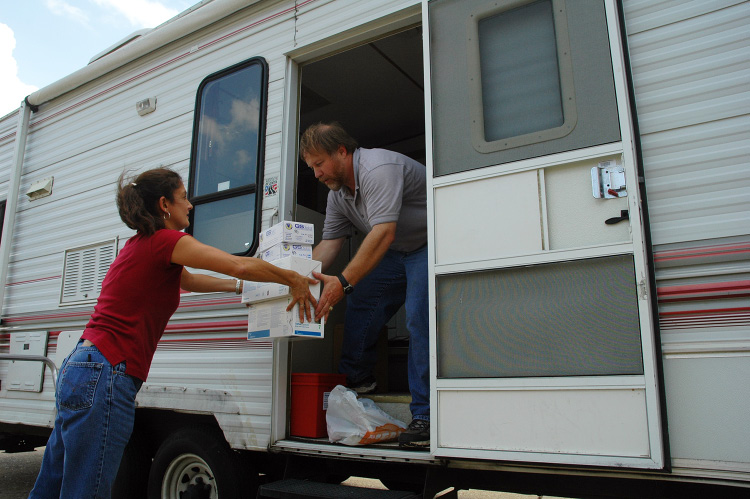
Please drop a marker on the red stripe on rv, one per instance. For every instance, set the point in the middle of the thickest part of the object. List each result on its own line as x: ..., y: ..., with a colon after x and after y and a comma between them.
x: 34, y: 280
x: 693, y: 319
x: 687, y: 253
x: 203, y: 326
x: 707, y: 291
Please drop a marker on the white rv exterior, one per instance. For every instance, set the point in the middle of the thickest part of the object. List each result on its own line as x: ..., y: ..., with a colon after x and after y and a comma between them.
x: 670, y: 81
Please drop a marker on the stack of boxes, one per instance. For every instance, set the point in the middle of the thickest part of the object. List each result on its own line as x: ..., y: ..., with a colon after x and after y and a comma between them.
x: 287, y: 245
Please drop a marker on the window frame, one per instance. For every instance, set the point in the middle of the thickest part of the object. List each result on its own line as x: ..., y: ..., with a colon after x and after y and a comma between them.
x: 250, y: 188
x: 565, y: 71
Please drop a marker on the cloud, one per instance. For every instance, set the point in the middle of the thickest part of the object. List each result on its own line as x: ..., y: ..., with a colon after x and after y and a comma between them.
x: 64, y: 9
x: 12, y: 90
x: 245, y: 115
x: 140, y: 13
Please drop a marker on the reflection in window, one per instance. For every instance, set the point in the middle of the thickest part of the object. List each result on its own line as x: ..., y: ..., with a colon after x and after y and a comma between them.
x: 519, y: 69
x: 228, y: 221
x: 227, y: 153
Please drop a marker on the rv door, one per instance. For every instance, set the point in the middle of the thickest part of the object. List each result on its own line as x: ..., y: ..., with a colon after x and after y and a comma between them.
x: 543, y: 344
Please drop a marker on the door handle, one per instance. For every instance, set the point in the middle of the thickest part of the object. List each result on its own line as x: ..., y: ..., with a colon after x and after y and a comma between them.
x: 624, y: 215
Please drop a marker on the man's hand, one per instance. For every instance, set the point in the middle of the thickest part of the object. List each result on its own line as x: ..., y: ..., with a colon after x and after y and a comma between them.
x: 332, y: 294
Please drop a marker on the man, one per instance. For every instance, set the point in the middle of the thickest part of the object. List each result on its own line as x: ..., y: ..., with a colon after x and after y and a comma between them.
x: 383, y: 194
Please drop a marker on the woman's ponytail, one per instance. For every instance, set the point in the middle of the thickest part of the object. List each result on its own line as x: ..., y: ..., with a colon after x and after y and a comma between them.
x: 138, y: 198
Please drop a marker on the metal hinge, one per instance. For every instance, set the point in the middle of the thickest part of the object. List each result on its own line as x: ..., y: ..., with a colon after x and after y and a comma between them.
x: 643, y: 288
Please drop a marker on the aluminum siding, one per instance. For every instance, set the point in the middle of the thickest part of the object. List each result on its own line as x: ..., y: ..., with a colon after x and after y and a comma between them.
x: 690, y: 65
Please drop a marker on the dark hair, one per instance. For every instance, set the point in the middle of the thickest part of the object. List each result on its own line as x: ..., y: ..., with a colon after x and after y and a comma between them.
x: 138, y: 198
x: 325, y: 137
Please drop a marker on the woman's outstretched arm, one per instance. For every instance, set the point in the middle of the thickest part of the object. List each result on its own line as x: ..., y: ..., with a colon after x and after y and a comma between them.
x: 192, y: 253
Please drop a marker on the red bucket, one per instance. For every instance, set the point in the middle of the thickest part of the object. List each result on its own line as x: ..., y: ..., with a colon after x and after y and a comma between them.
x: 310, y: 401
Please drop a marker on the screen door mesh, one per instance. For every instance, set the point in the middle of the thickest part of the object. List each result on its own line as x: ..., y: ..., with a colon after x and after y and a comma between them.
x: 577, y: 318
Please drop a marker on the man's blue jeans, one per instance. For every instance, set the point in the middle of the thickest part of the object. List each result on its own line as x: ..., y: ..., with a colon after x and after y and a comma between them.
x: 399, y: 279
x: 95, y: 412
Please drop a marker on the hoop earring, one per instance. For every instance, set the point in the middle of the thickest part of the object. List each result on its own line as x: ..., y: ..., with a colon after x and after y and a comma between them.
x: 167, y: 217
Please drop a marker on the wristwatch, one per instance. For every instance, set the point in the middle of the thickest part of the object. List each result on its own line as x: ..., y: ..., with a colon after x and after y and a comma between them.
x: 348, y: 288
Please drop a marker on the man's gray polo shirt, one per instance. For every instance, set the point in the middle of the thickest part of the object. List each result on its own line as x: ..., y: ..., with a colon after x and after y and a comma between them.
x: 389, y: 187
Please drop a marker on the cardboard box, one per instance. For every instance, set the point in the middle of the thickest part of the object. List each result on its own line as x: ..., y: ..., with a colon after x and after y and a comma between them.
x: 269, y: 319
x: 253, y: 292
x: 283, y: 250
x: 287, y: 232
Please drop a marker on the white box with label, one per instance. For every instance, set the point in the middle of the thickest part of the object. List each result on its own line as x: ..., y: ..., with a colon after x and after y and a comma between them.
x: 287, y: 232
x: 270, y: 319
x: 283, y: 250
x: 253, y: 292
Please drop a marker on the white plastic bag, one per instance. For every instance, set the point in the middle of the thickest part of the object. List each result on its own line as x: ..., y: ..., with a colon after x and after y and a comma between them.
x: 353, y: 421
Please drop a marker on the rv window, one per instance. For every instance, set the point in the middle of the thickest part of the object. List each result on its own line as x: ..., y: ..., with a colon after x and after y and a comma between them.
x: 226, y: 162
x: 521, y: 88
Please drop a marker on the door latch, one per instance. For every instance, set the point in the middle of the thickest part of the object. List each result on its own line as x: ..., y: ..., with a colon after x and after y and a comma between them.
x: 623, y: 216
x: 608, y: 180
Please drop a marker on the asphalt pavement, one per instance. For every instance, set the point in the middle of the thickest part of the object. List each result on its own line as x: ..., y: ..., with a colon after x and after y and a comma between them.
x: 18, y: 472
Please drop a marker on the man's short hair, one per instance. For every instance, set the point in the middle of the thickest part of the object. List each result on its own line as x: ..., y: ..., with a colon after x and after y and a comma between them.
x: 326, y: 137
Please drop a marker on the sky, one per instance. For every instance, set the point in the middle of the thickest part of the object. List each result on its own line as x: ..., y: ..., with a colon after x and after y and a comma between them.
x: 42, y: 41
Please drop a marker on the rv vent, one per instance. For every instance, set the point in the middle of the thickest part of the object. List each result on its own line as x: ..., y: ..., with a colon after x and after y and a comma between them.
x: 84, y: 271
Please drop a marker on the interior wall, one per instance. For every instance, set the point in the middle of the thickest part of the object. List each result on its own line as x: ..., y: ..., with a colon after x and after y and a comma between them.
x: 376, y: 92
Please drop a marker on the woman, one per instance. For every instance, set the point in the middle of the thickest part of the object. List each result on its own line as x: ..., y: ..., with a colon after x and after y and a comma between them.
x: 99, y: 380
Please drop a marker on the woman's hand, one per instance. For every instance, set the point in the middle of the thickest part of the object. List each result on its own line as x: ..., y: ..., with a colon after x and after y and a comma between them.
x: 300, y: 291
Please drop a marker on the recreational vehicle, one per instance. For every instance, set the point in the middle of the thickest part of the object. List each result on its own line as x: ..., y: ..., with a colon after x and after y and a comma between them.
x: 588, y: 166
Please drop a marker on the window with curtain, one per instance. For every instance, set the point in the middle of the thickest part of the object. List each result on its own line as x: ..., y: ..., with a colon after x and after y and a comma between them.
x: 519, y: 72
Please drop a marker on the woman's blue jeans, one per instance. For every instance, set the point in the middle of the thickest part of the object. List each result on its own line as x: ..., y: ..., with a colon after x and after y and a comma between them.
x: 95, y: 412
x: 399, y: 279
